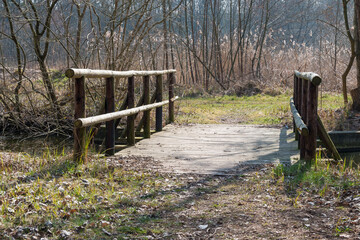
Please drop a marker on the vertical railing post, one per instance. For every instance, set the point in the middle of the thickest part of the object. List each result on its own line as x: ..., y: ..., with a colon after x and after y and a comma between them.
x: 130, y: 134
x: 303, y: 115
x: 79, y: 133
x: 171, y: 96
x: 146, y: 82
x: 312, y: 104
x: 159, y: 90
x: 110, y: 125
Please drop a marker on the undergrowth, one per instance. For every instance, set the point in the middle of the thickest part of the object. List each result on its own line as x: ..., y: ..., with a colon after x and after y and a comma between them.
x: 318, y: 177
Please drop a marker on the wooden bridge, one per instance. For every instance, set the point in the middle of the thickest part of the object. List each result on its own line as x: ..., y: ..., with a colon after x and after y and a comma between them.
x: 214, y: 149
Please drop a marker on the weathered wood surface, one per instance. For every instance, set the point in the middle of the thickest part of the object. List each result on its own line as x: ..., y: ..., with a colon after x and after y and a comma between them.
x: 303, y: 114
x: 146, y: 117
x: 89, y: 73
x: 171, y: 95
x: 216, y: 149
x: 311, y: 122
x: 325, y: 138
x: 299, y: 123
x: 310, y: 76
x: 109, y: 108
x: 79, y: 132
x: 85, y: 122
x: 159, y: 110
x: 130, y: 121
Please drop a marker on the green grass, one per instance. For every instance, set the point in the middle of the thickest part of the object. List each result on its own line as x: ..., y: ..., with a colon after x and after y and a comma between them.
x: 94, y: 196
x: 319, y: 177
x: 259, y: 109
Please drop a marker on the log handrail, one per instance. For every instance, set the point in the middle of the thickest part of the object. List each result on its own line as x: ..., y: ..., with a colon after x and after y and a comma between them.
x: 299, y: 123
x: 89, y: 73
x: 90, y: 121
x: 81, y: 121
x: 307, y: 124
x: 310, y: 76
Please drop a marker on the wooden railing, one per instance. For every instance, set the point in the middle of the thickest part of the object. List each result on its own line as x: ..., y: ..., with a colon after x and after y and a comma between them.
x: 307, y: 123
x: 144, y: 105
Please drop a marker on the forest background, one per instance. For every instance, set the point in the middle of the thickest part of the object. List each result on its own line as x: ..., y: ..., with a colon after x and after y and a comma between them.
x: 218, y: 46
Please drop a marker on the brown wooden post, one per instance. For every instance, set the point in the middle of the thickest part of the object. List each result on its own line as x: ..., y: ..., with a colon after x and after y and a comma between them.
x: 79, y: 133
x: 303, y: 114
x: 131, y: 119
x: 110, y: 125
x: 141, y: 123
x: 171, y: 96
x: 311, y: 121
x: 159, y: 90
x: 146, y: 118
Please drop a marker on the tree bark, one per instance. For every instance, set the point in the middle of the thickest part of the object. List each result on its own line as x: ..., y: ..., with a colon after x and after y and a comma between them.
x: 355, y: 93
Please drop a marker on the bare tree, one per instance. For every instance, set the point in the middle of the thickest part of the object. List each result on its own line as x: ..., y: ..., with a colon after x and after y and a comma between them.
x: 355, y: 93
x: 38, y: 18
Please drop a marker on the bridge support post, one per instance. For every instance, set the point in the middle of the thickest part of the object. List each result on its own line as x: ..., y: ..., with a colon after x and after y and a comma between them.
x: 303, y: 114
x: 110, y: 125
x: 79, y: 112
x: 146, y: 82
x: 312, y: 103
x: 171, y: 96
x: 159, y: 90
x: 130, y: 136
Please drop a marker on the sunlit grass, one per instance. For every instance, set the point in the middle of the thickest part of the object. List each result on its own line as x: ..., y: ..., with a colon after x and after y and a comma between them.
x: 259, y: 109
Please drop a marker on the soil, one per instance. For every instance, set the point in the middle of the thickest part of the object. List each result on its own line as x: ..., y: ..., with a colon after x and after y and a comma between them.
x: 251, y: 205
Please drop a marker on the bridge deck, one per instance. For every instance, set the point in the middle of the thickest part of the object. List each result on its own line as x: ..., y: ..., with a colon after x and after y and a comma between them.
x: 216, y: 149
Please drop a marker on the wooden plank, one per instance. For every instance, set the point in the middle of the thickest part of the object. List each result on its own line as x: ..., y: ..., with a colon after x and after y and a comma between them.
x: 158, y: 115
x: 79, y: 132
x: 325, y: 138
x: 312, y: 104
x: 130, y: 136
x: 300, y: 126
x: 146, y: 82
x: 171, y: 95
x: 89, y: 73
x: 110, y: 125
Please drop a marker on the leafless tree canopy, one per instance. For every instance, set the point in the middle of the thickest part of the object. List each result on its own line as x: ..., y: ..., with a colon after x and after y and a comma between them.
x: 215, y: 46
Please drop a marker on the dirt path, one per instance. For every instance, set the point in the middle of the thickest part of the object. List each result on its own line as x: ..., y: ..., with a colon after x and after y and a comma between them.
x: 216, y: 149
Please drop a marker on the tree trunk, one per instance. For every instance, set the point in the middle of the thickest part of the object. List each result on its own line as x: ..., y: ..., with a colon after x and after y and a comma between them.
x: 355, y: 93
